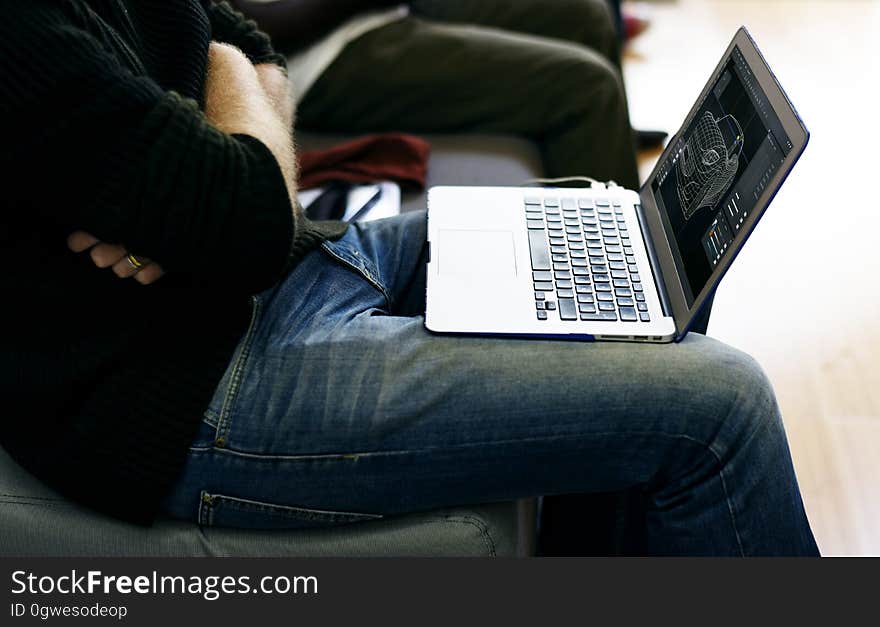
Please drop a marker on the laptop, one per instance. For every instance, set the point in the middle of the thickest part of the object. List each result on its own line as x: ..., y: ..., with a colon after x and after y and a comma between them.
x: 608, y: 263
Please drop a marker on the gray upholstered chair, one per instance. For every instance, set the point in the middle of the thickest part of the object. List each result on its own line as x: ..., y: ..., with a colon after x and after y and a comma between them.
x: 35, y: 521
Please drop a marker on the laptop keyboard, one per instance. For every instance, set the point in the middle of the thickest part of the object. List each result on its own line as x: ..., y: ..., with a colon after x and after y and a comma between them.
x: 583, y: 265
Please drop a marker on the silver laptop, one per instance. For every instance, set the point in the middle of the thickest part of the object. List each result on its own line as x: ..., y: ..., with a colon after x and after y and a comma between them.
x: 608, y: 263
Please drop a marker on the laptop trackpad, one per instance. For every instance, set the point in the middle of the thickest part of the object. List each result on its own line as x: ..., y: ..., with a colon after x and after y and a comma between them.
x: 483, y: 258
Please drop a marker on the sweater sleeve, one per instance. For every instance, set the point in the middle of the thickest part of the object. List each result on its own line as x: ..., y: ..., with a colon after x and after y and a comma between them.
x: 232, y: 27
x: 102, y: 150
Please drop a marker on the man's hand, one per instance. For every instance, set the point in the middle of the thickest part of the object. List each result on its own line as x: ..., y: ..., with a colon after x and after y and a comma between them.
x: 116, y: 257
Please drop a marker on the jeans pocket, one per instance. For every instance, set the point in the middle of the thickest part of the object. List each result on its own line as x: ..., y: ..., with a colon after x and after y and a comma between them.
x: 220, y: 510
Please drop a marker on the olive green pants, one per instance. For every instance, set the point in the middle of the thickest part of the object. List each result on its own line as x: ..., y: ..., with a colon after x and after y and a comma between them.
x: 543, y: 69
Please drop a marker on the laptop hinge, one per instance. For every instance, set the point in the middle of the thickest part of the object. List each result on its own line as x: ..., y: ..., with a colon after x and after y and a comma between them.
x: 655, y: 264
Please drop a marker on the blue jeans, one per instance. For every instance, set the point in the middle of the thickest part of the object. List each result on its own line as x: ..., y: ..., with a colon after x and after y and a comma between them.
x: 339, y: 406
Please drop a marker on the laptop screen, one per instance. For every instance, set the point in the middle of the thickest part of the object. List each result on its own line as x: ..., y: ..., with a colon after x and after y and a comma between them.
x: 715, y: 171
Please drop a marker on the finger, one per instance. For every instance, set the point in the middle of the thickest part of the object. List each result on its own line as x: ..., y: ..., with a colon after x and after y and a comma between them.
x: 150, y: 274
x: 105, y: 255
x: 80, y: 241
x: 125, y: 269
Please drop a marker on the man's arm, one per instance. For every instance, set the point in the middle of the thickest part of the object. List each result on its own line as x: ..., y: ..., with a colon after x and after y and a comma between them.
x: 238, y: 102
x: 144, y: 168
x: 293, y: 24
x: 239, y: 99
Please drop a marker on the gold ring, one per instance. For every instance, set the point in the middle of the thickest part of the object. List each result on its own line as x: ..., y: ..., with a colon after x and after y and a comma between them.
x: 134, y: 262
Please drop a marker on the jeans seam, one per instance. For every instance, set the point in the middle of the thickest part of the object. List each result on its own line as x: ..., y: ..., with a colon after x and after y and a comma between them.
x: 224, y: 422
x: 362, y: 271
x: 354, y: 455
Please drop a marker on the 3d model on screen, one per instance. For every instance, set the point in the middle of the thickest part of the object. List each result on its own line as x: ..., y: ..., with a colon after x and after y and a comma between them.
x: 708, y: 162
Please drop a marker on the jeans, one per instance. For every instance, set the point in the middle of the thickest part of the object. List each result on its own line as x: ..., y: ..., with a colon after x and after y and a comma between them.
x: 339, y: 406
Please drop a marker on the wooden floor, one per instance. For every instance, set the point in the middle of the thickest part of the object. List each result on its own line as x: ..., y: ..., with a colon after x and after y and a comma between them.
x: 802, y: 296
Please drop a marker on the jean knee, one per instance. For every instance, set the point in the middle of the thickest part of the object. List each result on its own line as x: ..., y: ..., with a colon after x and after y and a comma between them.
x: 744, y: 401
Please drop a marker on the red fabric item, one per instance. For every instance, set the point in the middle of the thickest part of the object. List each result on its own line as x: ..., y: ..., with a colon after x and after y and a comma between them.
x: 387, y: 157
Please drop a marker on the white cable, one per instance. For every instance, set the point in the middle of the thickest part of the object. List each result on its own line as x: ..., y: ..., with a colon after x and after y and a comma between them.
x: 568, y: 179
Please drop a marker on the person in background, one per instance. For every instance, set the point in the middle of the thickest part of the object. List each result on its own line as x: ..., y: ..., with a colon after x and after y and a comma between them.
x: 549, y: 71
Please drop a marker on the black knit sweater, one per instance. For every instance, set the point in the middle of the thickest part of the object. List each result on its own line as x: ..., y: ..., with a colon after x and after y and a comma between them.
x: 104, y: 381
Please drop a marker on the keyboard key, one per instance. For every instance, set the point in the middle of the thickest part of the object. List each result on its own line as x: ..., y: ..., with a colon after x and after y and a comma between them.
x: 535, y: 224
x: 586, y: 298
x: 542, y: 315
x: 538, y: 250
x: 644, y: 317
x: 604, y: 297
x: 539, y: 305
x: 637, y: 287
x: 579, y: 263
x: 553, y: 218
x: 559, y: 258
x: 602, y: 287
x: 583, y: 289
x: 616, y: 265
x: 533, y: 200
x: 550, y: 306
x: 542, y: 275
x: 573, y: 222
x: 622, y: 292
x: 594, y: 247
x: 565, y: 293
x: 578, y: 254
x: 534, y: 212
x: 562, y: 274
x: 582, y: 280
x: 585, y: 203
x: 615, y: 257
x: 628, y: 314
x: 642, y: 306
x: 633, y: 268
x: 554, y: 227
x: 539, y: 295
x: 587, y: 308
x: 573, y: 230
x: 560, y: 266
x: 543, y: 286
x: 563, y: 285
x: 621, y: 283
x: 627, y: 251
x: 606, y: 306
x: 556, y: 239
x: 579, y: 272
x: 599, y: 267
x: 612, y: 249
x: 601, y: 278
x: 576, y: 245
x: 630, y: 259
x: 635, y: 278
x: 618, y: 274
x: 625, y: 302
x: 574, y: 237
x: 640, y: 298
x: 567, y: 309
x: 551, y: 202
x: 597, y: 259
x: 558, y: 250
